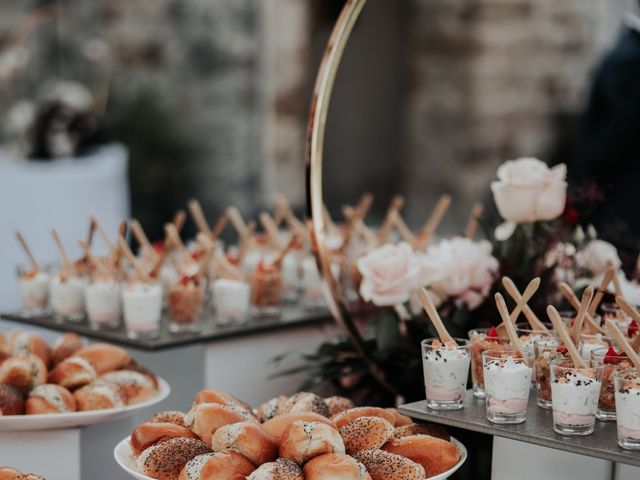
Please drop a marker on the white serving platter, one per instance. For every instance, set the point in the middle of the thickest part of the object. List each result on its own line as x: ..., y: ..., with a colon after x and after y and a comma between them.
x: 58, y: 421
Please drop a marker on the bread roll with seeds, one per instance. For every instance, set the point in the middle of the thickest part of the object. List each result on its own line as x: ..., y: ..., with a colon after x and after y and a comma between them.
x: 306, y: 402
x: 217, y: 466
x: 73, y: 373
x: 135, y: 387
x: 65, y: 346
x: 434, y: 454
x: 211, y: 395
x: 48, y: 398
x: 25, y: 343
x: 147, y: 434
x: 271, y: 408
x: 248, y: 439
x: 383, y: 465
x: 277, y: 425
x: 104, y: 357
x: 338, y: 404
x: 281, y: 469
x: 165, y: 460
x: 365, y: 433
x: 11, y: 400
x: 24, y: 372
x: 98, y: 395
x: 350, y: 415
x: 170, y: 416
x: 8, y: 473
x: 205, y: 418
x: 335, y: 466
x: 302, y: 441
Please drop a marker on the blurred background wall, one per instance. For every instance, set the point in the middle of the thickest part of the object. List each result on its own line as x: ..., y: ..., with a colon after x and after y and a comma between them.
x: 211, y: 96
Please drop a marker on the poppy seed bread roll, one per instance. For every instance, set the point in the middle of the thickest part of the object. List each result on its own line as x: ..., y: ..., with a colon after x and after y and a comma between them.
x: 165, y: 460
x: 383, y: 465
x: 302, y: 441
x: 335, y: 466
x: 217, y: 466
x: 365, y: 433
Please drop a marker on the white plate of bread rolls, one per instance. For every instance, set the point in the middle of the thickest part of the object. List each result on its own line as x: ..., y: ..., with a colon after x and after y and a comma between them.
x: 69, y: 384
x: 302, y: 437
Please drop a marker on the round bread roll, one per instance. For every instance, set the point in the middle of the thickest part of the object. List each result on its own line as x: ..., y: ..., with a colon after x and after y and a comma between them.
x: 32, y: 476
x: 400, y: 420
x: 434, y: 454
x: 23, y: 372
x: 350, y: 415
x: 217, y: 466
x: 210, y: 395
x: 302, y: 441
x: 281, y: 469
x: 422, y: 429
x: 365, y: 433
x: 383, y: 465
x: 148, y: 434
x: 165, y: 460
x: 8, y: 473
x: 65, y: 346
x: 306, y: 402
x: 11, y: 400
x: 271, y: 409
x: 338, y: 404
x: 205, y: 418
x: 170, y: 416
x: 98, y: 395
x: 73, y: 373
x: 134, y: 386
x: 248, y: 439
x: 335, y: 466
x: 277, y: 425
x: 49, y: 398
x: 25, y: 343
x: 104, y: 357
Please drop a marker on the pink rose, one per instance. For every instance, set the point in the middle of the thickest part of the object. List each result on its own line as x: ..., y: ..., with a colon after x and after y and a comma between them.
x: 389, y: 274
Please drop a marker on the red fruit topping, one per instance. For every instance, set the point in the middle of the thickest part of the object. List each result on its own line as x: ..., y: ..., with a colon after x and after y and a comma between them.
x: 158, y: 246
x: 612, y: 357
x: 493, y: 333
x: 196, y: 254
x: 633, y: 328
x: 184, y: 281
x: 562, y: 349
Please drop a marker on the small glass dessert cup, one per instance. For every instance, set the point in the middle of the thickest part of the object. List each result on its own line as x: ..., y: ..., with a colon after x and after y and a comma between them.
x: 481, y: 340
x: 446, y: 369
x: 313, y: 296
x: 529, y: 336
x: 590, y: 342
x: 546, y: 350
x: 142, y: 306
x: 266, y: 290
x: 67, y: 296
x: 612, y: 311
x: 34, y: 291
x: 507, y: 382
x: 611, y: 362
x: 574, y: 396
x: 232, y: 300
x: 291, y: 276
x: 103, y: 301
x: 185, y: 305
x: 627, y: 394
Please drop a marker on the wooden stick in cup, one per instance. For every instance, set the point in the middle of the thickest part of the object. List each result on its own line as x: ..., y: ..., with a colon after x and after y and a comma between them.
x: 271, y: 229
x: 66, y: 263
x: 429, y: 229
x: 472, y: 224
x: 510, y: 327
x: 568, y: 294
x: 219, y: 226
x: 102, y: 233
x: 90, y: 234
x: 604, y: 283
x: 633, y: 313
x: 174, y: 236
x: 27, y: 250
x: 526, y: 296
x: 432, y: 313
x: 131, y: 258
x: 277, y: 261
x: 587, y: 296
x: 405, y: 232
x: 360, y: 227
x: 247, y: 242
x: 622, y: 342
x: 237, y: 222
x: 141, y: 237
x: 562, y: 332
x: 532, y: 318
x: 198, y: 216
x: 614, y: 278
x: 228, y: 271
x: 364, y: 205
x: 395, y: 206
x: 178, y: 219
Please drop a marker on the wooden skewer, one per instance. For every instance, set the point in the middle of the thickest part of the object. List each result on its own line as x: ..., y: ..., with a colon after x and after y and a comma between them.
x: 562, y: 332
x: 617, y: 335
x: 568, y: 294
x: 405, y: 231
x: 237, y: 222
x: 532, y: 318
x: 131, y: 258
x: 155, y: 269
x: 364, y: 205
x: 66, y: 263
x: 283, y: 251
x: 429, y: 229
x: 395, y: 206
x: 103, y: 233
x: 178, y: 220
x: 271, y: 229
x: 636, y: 343
x: 587, y: 296
x: 604, y: 283
x: 360, y: 227
x: 294, y: 224
x: 432, y: 313
x: 229, y: 271
x: 526, y: 296
x: 27, y: 250
x: 627, y: 308
x: 472, y: 224
x: 247, y: 242
x: 141, y: 237
x: 506, y: 320
x: 90, y: 234
x: 174, y: 236
x: 198, y: 216
x: 614, y: 278
x: 219, y: 226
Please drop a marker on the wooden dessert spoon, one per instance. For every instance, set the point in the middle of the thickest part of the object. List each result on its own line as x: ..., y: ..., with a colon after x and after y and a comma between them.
x: 432, y: 313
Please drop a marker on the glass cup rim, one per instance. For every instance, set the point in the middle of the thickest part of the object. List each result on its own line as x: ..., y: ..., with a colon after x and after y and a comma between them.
x: 595, y: 335
x: 555, y: 364
x: 496, y: 353
x: 463, y: 343
x: 538, y: 341
x: 627, y: 371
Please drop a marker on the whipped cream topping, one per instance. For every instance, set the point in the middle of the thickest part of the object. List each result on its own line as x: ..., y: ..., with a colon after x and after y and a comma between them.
x: 507, y: 379
x: 575, y: 393
x: 446, y: 368
x: 628, y: 406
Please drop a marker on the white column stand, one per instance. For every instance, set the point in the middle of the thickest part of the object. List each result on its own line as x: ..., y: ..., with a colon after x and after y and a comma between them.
x: 627, y: 472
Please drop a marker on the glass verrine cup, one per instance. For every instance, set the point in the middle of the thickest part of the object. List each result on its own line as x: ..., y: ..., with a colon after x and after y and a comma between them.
x: 592, y: 341
x: 627, y: 394
x: 546, y: 350
x: 103, y: 302
x: 186, y: 302
x: 67, y: 296
x: 507, y: 382
x: 574, y: 396
x: 446, y: 370
x: 611, y: 362
x: 232, y: 300
x: 34, y: 287
x: 266, y: 290
x: 612, y: 311
x: 481, y: 340
x: 142, y: 306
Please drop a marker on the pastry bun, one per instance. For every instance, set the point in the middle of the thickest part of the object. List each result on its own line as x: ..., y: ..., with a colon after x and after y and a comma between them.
x: 170, y: 416
x: 8, y: 473
x: 383, y: 465
x: 217, y: 466
x: 338, y: 404
x: 434, y: 454
x: 365, y: 433
x: 11, y: 400
x: 335, y: 466
x: 281, y: 469
x: 306, y: 402
x: 271, y: 408
x: 165, y: 460
x: 24, y: 343
x: 98, y: 395
x: 350, y: 415
x: 277, y: 425
x: 104, y: 357
x: 248, y: 439
x: 73, y: 373
x: 205, y: 418
x: 65, y: 346
x: 302, y: 441
x: 23, y: 372
x: 422, y: 429
x: 32, y: 476
x: 49, y: 398
x: 400, y: 419
x: 148, y: 434
x: 210, y: 395
x: 135, y: 387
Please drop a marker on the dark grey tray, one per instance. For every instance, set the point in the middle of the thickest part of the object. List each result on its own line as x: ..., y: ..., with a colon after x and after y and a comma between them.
x: 538, y: 429
x: 291, y: 315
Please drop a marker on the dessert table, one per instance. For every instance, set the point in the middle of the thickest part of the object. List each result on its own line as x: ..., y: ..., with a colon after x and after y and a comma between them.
x: 540, y: 452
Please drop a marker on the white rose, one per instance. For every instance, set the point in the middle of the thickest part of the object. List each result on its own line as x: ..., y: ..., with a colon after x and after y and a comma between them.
x: 389, y: 274
x: 460, y: 268
x: 596, y: 254
x: 527, y: 190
